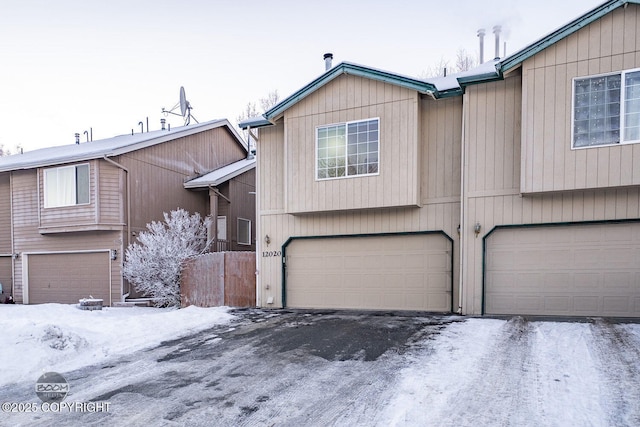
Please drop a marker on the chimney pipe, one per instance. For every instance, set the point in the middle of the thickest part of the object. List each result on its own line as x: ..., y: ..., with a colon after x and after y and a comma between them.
x: 496, y: 31
x: 481, y: 33
x: 328, y: 57
x: 77, y: 138
x: 162, y: 123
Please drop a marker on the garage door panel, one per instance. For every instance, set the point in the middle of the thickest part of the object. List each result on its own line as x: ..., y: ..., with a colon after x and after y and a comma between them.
x: 570, y: 270
x: 411, y: 272
x: 66, y: 278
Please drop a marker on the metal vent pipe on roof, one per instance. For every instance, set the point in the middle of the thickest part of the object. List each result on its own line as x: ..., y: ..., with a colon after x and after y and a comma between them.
x: 496, y: 32
x: 328, y: 58
x: 77, y: 138
x: 481, y: 33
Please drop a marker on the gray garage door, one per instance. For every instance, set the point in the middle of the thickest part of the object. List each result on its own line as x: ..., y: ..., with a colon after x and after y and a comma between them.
x: 65, y: 278
x: 399, y: 272
x: 5, y: 277
x: 577, y: 270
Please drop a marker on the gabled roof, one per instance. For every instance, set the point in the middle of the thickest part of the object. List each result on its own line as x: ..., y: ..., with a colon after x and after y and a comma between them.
x: 108, y: 147
x: 222, y: 174
x: 517, y: 58
x: 437, y: 87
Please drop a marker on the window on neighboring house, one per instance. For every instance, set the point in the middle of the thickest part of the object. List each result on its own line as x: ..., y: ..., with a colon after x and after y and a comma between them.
x: 347, y: 149
x: 244, y: 231
x: 606, y: 109
x: 66, y: 186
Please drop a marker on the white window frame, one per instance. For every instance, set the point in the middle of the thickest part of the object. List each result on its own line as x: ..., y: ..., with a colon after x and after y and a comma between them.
x: 248, y: 222
x: 53, y: 204
x: 621, y: 141
x: 346, y: 154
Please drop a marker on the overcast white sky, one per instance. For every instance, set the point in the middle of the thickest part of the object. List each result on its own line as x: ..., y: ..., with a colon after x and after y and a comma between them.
x: 70, y: 65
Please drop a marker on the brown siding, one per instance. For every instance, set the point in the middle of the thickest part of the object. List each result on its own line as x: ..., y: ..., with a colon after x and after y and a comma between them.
x: 112, y: 194
x: 5, y: 214
x: 548, y: 162
x: 27, y: 238
x: 243, y: 205
x: 158, y: 173
x: 350, y: 98
x: 68, y: 215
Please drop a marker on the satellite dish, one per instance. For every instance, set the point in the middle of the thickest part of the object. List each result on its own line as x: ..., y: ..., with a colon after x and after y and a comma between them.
x: 185, y: 108
x: 183, y: 102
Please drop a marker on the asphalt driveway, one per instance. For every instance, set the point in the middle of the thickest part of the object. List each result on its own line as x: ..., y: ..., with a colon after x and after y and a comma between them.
x: 300, y: 368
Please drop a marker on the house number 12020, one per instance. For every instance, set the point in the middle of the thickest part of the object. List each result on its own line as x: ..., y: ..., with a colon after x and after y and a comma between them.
x: 271, y: 253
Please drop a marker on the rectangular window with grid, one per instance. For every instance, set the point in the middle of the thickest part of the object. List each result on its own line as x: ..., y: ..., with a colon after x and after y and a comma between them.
x: 347, y: 149
x: 606, y: 109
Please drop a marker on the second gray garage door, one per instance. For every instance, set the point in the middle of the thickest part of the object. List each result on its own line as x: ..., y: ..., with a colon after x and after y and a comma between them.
x: 388, y: 272
x: 569, y: 270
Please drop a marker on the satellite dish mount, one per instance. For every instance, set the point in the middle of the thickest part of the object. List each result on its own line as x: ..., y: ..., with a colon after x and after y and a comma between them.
x: 185, y: 108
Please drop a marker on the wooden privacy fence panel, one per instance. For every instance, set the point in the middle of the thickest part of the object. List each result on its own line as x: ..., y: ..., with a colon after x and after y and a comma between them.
x: 219, y: 278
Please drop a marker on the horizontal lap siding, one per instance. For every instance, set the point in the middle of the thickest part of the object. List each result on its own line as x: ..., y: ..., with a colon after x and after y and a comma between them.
x: 28, y: 239
x: 69, y: 215
x: 548, y: 162
x: 112, y: 194
x: 5, y: 214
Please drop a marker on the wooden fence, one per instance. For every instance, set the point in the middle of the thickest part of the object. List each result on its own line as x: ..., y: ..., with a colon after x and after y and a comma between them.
x: 219, y: 278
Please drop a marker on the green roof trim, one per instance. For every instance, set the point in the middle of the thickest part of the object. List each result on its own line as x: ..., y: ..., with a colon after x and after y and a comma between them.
x: 354, y: 70
x: 517, y: 58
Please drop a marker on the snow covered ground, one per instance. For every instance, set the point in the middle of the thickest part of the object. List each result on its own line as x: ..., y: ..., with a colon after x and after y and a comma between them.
x: 296, y: 368
x: 60, y: 337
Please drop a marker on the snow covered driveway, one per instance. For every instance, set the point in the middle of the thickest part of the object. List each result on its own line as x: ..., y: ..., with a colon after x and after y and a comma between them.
x: 315, y: 368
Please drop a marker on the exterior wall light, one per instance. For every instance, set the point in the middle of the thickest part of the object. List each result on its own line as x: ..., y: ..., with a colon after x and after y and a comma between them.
x: 15, y: 255
x: 477, y: 228
x: 267, y: 239
x: 114, y: 254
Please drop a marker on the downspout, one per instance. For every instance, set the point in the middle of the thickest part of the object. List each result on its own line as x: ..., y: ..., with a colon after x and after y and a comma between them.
x: 258, y: 221
x: 14, y: 258
x: 463, y: 204
x: 128, y: 186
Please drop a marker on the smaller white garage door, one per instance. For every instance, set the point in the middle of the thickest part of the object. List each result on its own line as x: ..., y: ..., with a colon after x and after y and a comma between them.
x: 399, y: 272
x: 66, y: 278
x: 574, y: 270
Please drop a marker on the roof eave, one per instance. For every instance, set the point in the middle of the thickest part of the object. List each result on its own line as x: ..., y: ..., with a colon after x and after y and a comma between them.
x: 351, y: 69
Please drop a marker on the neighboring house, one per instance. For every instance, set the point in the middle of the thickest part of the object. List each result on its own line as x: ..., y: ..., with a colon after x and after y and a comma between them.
x: 70, y: 212
x: 510, y: 189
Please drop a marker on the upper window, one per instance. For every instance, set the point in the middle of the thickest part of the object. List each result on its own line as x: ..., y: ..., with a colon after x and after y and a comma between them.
x: 606, y: 109
x: 66, y: 186
x: 347, y: 149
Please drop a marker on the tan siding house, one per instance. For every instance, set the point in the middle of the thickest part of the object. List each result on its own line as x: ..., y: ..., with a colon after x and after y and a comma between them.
x: 509, y: 189
x: 71, y: 211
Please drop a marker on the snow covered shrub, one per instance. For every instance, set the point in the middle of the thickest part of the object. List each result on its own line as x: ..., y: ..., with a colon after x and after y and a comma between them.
x: 152, y: 265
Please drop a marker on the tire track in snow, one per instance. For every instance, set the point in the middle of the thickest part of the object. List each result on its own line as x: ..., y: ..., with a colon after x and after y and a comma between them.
x: 617, y: 353
x: 500, y: 392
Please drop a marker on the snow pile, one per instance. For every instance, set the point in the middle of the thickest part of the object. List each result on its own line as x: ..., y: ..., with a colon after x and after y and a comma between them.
x: 58, y: 337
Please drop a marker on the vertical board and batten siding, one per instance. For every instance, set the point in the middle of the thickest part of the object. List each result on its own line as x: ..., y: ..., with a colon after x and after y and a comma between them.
x: 492, y: 172
x: 243, y: 205
x: 349, y: 98
x: 609, y: 44
x: 28, y: 239
x: 492, y: 198
x: 162, y: 169
x: 438, y: 131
